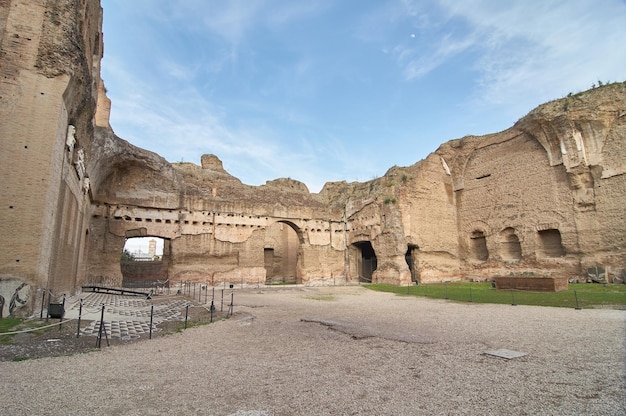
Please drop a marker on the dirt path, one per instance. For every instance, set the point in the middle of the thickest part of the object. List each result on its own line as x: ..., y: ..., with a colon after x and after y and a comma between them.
x: 341, y: 351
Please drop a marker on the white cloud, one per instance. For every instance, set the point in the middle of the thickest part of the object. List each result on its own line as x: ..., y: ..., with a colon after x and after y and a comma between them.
x: 229, y: 78
x: 516, y: 45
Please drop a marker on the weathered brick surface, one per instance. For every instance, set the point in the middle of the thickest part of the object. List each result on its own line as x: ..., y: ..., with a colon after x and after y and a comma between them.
x: 546, y: 196
x: 45, y: 78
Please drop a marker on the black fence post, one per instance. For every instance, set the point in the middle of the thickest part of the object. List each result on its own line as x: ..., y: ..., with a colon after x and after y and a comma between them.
x: 43, y: 302
x: 99, y: 340
x: 48, y: 310
x: 80, y: 314
x: 186, y: 315
x: 222, y: 306
x: 577, y: 306
x: 151, y: 315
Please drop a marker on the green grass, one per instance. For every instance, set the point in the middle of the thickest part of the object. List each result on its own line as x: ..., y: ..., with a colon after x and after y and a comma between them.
x: 20, y: 324
x: 326, y: 297
x: 578, y: 295
x: 7, y: 324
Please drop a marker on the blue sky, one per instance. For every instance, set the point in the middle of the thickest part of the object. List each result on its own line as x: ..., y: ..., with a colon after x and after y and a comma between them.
x: 331, y: 90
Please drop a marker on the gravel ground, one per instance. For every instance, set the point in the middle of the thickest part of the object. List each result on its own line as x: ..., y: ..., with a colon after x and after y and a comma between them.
x: 343, y: 351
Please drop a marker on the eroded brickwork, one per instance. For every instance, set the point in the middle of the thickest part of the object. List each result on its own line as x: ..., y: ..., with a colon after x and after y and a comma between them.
x: 545, y: 197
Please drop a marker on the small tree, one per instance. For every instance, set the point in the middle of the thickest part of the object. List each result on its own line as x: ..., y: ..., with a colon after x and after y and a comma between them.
x: 127, y: 256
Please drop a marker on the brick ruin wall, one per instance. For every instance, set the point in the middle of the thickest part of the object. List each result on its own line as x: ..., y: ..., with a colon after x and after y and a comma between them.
x: 545, y: 197
x: 49, y: 69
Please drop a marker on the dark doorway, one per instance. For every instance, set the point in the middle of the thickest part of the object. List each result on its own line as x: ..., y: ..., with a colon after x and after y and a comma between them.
x: 366, y: 262
x: 412, y: 262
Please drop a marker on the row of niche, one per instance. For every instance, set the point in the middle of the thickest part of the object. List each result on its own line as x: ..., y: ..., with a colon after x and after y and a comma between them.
x: 509, y: 247
x: 204, y: 223
x: 207, y: 213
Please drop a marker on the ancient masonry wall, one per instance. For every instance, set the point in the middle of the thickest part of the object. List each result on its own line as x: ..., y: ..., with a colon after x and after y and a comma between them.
x: 545, y: 197
x: 529, y: 200
x: 497, y: 210
x: 44, y: 125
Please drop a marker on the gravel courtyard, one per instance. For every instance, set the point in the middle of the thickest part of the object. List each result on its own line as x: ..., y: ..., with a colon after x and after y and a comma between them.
x: 343, y: 351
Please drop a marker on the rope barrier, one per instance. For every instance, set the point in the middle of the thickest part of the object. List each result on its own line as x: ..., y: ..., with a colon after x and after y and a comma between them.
x: 186, y: 305
x: 37, y: 328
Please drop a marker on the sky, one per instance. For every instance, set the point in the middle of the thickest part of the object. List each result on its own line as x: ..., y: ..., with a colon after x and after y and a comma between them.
x: 141, y: 245
x: 331, y: 90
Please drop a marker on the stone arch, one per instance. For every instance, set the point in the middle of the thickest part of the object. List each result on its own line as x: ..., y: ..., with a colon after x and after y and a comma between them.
x: 282, y: 252
x: 509, y: 247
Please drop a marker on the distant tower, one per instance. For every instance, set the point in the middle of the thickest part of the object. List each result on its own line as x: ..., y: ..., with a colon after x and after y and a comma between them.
x: 152, y: 247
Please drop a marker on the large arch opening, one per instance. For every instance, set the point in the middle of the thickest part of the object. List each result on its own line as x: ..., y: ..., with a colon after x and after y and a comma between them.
x: 281, y: 252
x: 144, y: 262
x: 550, y: 244
x: 412, y: 261
x: 478, y: 246
x: 509, y: 246
x: 366, y: 261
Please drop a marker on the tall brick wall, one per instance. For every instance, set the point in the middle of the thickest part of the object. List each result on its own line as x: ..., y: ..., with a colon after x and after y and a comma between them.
x: 44, y: 88
x: 546, y: 195
x: 510, y: 185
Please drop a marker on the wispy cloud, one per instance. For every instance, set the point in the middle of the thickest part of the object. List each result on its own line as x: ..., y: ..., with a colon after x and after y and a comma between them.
x: 184, y: 126
x: 548, y: 45
x: 280, y: 88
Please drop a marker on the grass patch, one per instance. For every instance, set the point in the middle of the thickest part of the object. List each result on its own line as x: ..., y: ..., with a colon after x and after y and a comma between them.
x: 20, y: 324
x: 326, y: 297
x: 7, y: 324
x: 578, y: 295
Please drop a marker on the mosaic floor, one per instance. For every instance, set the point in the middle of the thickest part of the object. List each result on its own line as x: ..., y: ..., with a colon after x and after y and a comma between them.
x: 125, y: 317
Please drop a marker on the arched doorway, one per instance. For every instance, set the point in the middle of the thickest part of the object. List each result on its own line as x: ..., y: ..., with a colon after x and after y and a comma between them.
x: 412, y: 261
x: 144, y: 262
x: 365, y: 259
x: 280, y: 253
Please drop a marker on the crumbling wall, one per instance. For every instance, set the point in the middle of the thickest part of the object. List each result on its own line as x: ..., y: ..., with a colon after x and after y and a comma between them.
x: 49, y: 70
x: 544, y: 197
x: 509, y: 184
